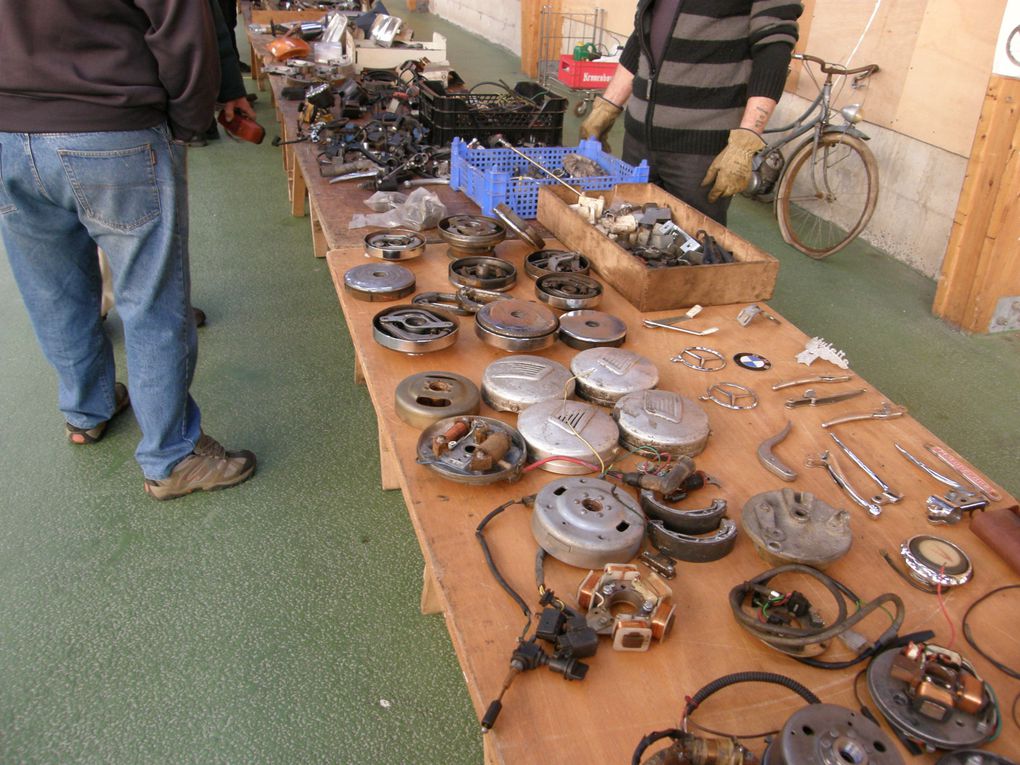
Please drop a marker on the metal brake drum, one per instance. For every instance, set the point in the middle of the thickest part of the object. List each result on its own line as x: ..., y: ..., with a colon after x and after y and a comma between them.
x: 414, y: 329
x: 483, y: 272
x: 426, y: 397
x: 545, y: 262
x: 556, y: 428
x: 394, y: 244
x: 516, y: 382
x: 605, y: 375
x: 470, y: 234
x: 664, y: 420
x: 568, y: 292
x: 518, y: 225
x: 587, y: 522
x: 592, y: 329
x: 790, y: 526
x: 516, y: 325
x: 378, y: 282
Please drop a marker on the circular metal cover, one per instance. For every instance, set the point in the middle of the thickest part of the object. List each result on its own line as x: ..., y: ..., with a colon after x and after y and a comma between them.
x: 516, y: 325
x: 426, y: 397
x: 936, y: 561
x: 790, y: 526
x: 414, y: 329
x: 587, y: 522
x: 394, y: 244
x: 973, y: 757
x: 518, y: 225
x: 959, y: 730
x: 605, y: 375
x: 556, y: 428
x: 483, y: 272
x: 592, y: 329
x: 455, y: 464
x: 827, y: 734
x: 471, y: 232
x: 378, y: 281
x: 568, y: 292
x: 663, y: 420
x: 515, y: 383
x: 555, y: 262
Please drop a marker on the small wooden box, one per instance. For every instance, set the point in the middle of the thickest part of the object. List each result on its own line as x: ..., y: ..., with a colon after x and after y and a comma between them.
x: 752, y: 277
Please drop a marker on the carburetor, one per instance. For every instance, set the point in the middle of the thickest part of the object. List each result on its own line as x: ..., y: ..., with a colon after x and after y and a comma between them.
x: 631, y: 607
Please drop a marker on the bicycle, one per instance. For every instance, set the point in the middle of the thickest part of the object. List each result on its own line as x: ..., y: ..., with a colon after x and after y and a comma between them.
x: 825, y: 193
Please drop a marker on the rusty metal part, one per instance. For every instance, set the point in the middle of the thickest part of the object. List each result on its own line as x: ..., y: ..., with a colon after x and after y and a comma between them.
x: 490, y: 451
x: 770, y: 461
x: 660, y: 563
x: 473, y: 299
x: 788, y: 526
x: 884, y: 412
x: 568, y: 292
x: 694, y: 548
x: 426, y: 397
x: 482, y: 272
x: 693, y: 521
x: 545, y: 262
x: 445, y: 301
x: 632, y: 608
x: 524, y: 230
x: 394, y: 244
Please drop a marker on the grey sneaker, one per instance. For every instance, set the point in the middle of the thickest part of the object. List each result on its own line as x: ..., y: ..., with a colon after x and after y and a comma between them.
x: 82, y: 436
x: 208, y: 468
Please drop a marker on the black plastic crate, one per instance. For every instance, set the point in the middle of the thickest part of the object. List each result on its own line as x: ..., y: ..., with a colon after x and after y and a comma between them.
x: 527, y: 115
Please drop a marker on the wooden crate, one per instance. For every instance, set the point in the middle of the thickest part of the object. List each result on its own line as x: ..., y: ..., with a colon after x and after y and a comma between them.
x: 752, y: 277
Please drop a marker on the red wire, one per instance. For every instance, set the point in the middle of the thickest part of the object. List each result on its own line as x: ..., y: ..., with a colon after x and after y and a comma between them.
x: 535, y: 465
x: 945, y: 613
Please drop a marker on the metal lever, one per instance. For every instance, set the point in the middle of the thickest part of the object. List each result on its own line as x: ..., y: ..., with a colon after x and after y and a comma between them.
x: 934, y: 473
x: 888, y: 496
x: 884, y: 412
x: 661, y: 325
x: 978, y: 483
x: 827, y: 461
x: 811, y: 398
x: 507, y: 145
x: 811, y: 380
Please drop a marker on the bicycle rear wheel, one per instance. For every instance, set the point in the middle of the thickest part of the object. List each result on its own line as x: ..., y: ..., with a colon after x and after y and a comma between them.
x: 826, y: 197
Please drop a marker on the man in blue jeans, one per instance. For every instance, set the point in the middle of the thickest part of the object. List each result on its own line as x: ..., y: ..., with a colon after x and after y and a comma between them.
x: 95, y: 100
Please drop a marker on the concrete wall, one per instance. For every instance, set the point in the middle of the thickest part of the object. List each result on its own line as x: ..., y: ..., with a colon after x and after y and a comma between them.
x: 496, y: 20
x: 919, y: 186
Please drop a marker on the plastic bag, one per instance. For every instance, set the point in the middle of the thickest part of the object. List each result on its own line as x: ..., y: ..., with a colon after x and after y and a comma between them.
x: 422, y: 210
x: 383, y: 201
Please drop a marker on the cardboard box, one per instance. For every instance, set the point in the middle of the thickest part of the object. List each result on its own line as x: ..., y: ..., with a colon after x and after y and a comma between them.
x: 752, y: 277
x: 370, y: 55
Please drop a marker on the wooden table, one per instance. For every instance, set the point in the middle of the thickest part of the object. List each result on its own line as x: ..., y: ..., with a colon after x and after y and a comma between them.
x: 548, y: 720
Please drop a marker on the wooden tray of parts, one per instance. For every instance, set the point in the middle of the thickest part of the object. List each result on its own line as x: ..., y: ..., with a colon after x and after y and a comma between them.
x: 752, y: 277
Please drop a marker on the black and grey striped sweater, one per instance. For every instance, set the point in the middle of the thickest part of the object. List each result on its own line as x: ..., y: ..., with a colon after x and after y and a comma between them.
x: 721, y: 53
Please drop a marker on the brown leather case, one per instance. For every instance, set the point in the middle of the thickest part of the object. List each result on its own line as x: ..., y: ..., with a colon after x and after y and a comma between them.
x: 1000, y: 530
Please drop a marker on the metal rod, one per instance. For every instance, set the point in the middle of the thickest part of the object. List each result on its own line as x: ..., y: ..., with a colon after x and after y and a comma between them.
x: 932, y: 472
x: 507, y: 145
x: 887, y: 495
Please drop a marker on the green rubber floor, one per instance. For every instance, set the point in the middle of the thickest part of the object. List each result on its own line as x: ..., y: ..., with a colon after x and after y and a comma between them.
x: 278, y: 622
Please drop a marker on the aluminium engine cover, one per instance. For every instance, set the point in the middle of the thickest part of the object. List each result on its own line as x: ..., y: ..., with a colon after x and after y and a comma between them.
x: 426, y: 397
x: 664, y: 420
x: 605, y: 375
x: 827, y: 734
x: 516, y: 325
x: 587, y: 522
x: 378, y: 282
x: 790, y: 526
x: 592, y: 329
x: 555, y: 429
x: 516, y: 382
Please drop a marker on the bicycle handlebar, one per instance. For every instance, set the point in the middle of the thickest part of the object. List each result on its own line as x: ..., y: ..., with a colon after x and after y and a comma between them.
x: 828, y: 68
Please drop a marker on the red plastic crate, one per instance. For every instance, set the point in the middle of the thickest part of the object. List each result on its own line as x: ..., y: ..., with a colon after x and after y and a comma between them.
x: 585, y: 75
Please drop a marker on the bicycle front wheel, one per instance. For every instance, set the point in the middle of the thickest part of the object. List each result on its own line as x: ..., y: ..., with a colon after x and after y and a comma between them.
x: 827, y: 194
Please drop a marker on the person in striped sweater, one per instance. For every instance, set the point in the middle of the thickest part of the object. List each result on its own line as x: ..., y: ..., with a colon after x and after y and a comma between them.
x: 698, y: 80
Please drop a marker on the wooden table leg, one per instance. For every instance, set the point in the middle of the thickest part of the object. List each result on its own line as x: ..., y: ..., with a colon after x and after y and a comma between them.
x: 430, y: 603
x: 318, y: 237
x: 298, y: 190
x: 389, y: 470
x: 359, y: 372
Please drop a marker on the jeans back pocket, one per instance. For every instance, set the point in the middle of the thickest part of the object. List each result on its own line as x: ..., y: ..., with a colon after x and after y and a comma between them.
x: 115, y: 188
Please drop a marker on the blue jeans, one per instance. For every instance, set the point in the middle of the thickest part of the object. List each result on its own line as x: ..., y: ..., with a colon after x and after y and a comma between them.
x: 61, y: 195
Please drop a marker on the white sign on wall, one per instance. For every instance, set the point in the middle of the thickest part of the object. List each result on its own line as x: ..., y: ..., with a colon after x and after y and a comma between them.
x: 1007, y: 49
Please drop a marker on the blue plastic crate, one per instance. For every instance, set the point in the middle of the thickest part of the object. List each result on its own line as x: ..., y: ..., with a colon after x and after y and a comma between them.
x: 492, y: 176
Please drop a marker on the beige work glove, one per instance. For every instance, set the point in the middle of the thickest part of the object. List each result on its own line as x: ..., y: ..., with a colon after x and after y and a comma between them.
x: 597, y: 125
x: 730, y: 172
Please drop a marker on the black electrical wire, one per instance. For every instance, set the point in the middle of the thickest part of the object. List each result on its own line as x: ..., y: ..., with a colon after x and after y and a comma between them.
x: 906, y: 577
x: 693, y: 702
x: 969, y: 635
x: 797, y: 638
x: 480, y: 536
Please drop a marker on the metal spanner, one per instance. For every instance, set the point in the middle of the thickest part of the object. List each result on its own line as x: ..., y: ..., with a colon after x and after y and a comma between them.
x: 827, y: 461
x: 888, y: 496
